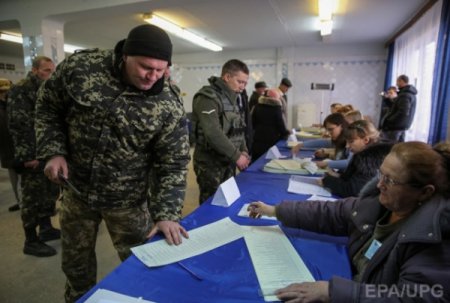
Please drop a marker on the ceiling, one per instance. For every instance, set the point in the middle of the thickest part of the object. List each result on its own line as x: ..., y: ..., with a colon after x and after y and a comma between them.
x: 234, y: 24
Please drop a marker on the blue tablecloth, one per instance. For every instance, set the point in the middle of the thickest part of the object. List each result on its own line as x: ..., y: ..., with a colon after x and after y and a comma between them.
x: 227, y: 272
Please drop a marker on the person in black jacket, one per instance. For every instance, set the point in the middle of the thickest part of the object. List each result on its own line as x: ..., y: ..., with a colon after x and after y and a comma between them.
x: 400, y: 117
x: 362, y: 138
x: 268, y: 123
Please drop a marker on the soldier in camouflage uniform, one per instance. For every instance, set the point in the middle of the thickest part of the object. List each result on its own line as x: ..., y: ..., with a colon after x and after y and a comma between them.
x: 219, y: 128
x: 107, y: 121
x: 39, y: 195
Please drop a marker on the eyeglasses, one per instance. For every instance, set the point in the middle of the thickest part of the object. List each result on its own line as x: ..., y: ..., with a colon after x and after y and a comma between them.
x: 388, y: 181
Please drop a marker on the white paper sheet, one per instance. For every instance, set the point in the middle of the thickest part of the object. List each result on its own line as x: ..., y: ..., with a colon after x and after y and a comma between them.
x: 245, y: 213
x: 107, y: 296
x: 227, y: 193
x: 320, y: 198
x: 276, y: 262
x: 306, y: 186
x: 201, y: 240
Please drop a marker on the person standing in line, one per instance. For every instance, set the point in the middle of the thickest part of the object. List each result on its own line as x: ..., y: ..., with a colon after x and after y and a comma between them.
x: 284, y: 86
x: 401, y: 115
x: 39, y: 195
x: 7, y: 146
x: 219, y: 128
x: 260, y: 88
x: 110, y: 124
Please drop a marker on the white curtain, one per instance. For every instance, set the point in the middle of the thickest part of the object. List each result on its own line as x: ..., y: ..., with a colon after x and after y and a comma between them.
x: 414, y: 55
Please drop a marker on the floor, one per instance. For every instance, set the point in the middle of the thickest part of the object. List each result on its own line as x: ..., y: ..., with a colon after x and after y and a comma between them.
x: 28, y: 279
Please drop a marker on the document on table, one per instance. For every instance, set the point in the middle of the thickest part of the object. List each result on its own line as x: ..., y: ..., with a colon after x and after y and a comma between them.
x: 320, y: 198
x: 107, y: 296
x: 276, y: 262
x: 245, y: 213
x: 306, y: 186
x: 201, y: 240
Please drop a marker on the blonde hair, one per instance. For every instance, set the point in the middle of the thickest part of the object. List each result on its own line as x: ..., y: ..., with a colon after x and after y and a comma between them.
x: 362, y: 129
x: 345, y: 109
x: 353, y: 116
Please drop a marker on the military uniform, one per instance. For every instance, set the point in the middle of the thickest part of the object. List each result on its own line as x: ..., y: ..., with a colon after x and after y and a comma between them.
x: 39, y: 195
x: 219, y: 129
x: 114, y: 138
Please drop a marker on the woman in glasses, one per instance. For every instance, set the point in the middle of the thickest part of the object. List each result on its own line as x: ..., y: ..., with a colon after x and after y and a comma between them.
x: 398, y: 231
x: 361, y: 137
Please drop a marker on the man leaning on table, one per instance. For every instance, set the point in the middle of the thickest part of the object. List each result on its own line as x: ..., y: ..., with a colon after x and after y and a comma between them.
x: 107, y: 121
x: 219, y: 128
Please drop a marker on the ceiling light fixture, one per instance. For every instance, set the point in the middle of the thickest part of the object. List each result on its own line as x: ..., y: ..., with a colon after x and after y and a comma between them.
x: 181, y: 32
x: 17, y: 38
x: 326, y: 8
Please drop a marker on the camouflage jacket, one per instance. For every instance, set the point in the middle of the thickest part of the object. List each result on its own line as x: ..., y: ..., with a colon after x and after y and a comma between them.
x: 21, y: 106
x: 118, y: 140
x: 217, y: 121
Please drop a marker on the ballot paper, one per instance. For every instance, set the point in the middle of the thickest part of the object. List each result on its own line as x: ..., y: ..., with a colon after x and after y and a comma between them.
x: 201, y: 240
x: 320, y: 198
x: 306, y: 186
x: 245, y: 213
x: 107, y: 296
x: 276, y: 262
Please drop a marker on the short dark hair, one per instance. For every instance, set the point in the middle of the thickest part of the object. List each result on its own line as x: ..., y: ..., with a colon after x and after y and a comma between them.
x: 404, y: 78
x: 234, y: 66
x: 286, y: 82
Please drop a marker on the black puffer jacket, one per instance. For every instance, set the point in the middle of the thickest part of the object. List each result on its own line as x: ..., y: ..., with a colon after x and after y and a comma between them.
x: 401, y: 114
x: 268, y: 125
x: 362, y: 167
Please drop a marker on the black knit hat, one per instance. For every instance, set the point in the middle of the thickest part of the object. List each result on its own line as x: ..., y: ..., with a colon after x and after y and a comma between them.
x: 149, y: 41
x: 260, y: 84
x: 287, y: 82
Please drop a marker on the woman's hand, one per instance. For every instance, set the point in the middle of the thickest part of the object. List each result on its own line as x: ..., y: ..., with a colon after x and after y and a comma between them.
x: 259, y: 209
x: 305, y: 292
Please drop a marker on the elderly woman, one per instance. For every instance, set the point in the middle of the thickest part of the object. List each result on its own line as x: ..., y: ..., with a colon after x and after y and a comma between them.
x: 398, y: 232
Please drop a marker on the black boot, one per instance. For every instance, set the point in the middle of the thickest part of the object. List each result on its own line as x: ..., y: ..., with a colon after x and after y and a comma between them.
x: 46, y: 231
x: 14, y: 207
x: 34, y: 246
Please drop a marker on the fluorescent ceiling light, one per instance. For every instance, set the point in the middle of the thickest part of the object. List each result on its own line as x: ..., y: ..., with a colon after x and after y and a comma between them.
x: 17, y: 38
x: 181, y: 32
x: 326, y: 8
x: 326, y: 27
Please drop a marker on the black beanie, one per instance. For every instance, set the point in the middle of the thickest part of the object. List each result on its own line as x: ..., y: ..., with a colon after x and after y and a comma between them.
x: 149, y: 41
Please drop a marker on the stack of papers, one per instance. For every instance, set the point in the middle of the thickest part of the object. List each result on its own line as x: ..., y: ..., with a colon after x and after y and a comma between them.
x: 293, y: 167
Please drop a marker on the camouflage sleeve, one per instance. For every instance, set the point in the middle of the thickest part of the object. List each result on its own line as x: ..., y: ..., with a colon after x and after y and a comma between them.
x: 207, y: 111
x: 171, y: 157
x: 49, y: 122
x: 21, y: 122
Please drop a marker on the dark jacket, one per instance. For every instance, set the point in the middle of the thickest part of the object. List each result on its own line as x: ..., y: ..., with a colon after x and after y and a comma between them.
x: 362, y: 167
x: 401, y: 114
x: 6, y: 142
x: 253, y: 100
x: 268, y: 126
x: 416, y: 255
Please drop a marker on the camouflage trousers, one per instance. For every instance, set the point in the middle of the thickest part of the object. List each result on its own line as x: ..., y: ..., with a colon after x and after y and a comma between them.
x: 210, y: 174
x: 127, y: 227
x: 39, y: 196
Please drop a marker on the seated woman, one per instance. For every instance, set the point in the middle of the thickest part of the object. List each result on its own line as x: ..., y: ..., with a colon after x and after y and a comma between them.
x: 334, y: 148
x: 268, y: 124
x: 398, y: 231
x: 361, y: 137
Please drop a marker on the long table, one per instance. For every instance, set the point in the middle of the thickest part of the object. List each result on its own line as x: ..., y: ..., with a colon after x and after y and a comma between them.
x: 227, y: 273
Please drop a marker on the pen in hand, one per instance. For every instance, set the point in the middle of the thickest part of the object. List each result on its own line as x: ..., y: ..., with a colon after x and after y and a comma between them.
x: 68, y: 183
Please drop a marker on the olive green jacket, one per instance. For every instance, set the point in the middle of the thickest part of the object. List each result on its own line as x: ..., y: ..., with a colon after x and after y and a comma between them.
x: 217, y: 122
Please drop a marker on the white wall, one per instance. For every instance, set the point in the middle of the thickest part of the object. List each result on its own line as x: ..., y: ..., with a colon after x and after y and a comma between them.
x: 356, y: 70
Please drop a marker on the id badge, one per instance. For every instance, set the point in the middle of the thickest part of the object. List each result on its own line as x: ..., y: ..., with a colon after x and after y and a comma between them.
x: 372, y: 249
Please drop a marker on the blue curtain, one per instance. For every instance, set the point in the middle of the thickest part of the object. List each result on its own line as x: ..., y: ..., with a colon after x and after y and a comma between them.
x: 390, y: 61
x: 441, y: 84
